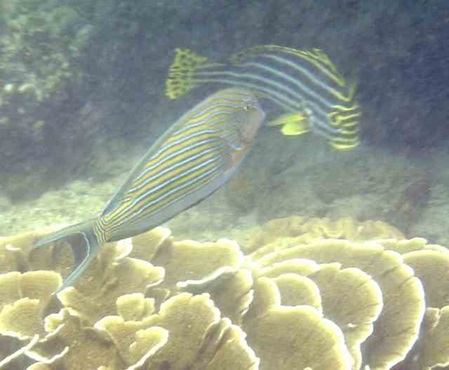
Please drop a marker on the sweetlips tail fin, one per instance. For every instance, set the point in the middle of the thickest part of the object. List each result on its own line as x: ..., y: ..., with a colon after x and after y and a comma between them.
x: 181, y: 73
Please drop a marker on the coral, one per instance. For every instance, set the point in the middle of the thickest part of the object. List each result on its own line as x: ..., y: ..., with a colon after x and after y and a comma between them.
x: 23, y: 299
x: 294, y: 293
x: 39, y: 48
x: 297, y: 229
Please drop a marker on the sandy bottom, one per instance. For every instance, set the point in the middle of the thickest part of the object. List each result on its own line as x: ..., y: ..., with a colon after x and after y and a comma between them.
x: 281, y: 177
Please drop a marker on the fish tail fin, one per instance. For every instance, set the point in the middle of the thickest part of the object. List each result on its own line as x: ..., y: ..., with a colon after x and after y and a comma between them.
x: 82, y: 254
x: 181, y: 73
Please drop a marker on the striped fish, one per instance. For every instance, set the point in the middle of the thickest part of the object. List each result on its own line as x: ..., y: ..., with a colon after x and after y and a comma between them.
x: 194, y: 158
x: 304, y: 83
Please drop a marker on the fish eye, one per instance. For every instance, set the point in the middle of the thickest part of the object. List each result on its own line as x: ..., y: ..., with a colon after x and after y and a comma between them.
x: 247, y: 107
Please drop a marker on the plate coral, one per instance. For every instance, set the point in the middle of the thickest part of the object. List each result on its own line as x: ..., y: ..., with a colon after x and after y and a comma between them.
x: 294, y: 293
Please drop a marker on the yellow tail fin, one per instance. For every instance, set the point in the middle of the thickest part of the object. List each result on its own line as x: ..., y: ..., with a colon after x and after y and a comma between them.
x: 180, y: 75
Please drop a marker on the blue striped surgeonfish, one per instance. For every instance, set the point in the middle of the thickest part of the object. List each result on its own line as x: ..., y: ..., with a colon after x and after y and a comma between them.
x: 195, y: 157
x: 305, y: 84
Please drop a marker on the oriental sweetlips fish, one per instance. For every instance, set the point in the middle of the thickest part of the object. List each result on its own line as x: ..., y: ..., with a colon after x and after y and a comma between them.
x: 304, y: 83
x: 194, y: 158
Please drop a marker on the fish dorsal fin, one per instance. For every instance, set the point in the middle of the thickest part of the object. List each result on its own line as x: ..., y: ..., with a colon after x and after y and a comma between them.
x: 317, y: 57
x: 323, y: 58
x: 322, y: 61
x: 259, y: 50
x: 253, y: 51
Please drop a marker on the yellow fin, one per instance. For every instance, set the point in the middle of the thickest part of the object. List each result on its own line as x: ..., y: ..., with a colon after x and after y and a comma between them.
x: 180, y: 75
x: 292, y: 123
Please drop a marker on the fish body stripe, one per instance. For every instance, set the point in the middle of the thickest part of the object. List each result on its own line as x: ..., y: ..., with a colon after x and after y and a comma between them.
x: 207, y: 112
x: 247, y: 80
x: 171, y: 153
x: 180, y: 182
x: 133, y: 199
x: 182, y: 141
x: 178, y: 164
x: 190, y: 161
x: 99, y: 231
x: 296, y: 80
x: 181, y: 136
x: 310, y: 76
x: 196, y: 154
x: 291, y: 103
x: 188, y: 182
x: 285, y: 87
x: 302, y: 72
x: 327, y: 68
x: 114, y: 229
x: 300, y: 90
x: 315, y: 57
x: 175, y: 173
x: 284, y: 101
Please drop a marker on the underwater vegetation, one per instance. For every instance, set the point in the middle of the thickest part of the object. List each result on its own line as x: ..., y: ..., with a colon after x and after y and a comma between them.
x: 294, y: 293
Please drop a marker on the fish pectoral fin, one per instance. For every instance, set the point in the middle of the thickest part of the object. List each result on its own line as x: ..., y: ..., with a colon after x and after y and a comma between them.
x: 292, y: 123
x: 294, y: 128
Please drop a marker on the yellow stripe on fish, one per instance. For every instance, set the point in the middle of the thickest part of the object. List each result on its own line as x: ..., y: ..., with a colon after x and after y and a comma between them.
x: 194, y: 158
x: 299, y: 81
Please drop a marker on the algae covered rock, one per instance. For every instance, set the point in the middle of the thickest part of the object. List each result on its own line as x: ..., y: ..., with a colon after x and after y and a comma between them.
x: 295, y: 293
